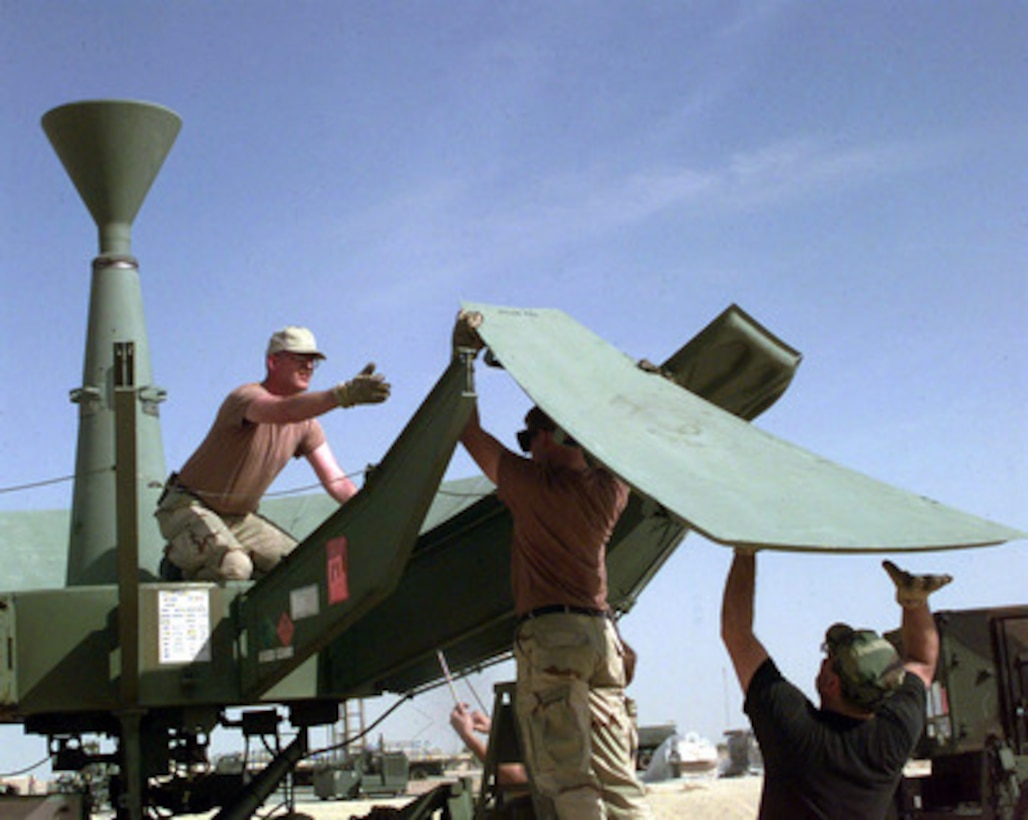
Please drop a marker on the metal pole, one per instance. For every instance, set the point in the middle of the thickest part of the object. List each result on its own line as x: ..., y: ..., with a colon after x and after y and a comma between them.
x: 130, y: 748
x: 258, y: 789
x: 127, y: 505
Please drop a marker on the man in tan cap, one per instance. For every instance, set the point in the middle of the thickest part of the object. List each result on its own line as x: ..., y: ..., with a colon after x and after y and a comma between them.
x: 845, y: 758
x: 208, y: 511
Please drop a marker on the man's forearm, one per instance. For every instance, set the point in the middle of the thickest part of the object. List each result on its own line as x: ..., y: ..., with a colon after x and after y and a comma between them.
x: 737, y: 604
x: 291, y: 409
x: 472, y: 427
x: 476, y: 746
x: 920, y: 637
x: 482, y: 447
x: 342, y: 489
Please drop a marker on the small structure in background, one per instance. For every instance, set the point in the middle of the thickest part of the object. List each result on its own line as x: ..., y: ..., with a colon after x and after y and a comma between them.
x: 741, y: 754
x: 688, y: 755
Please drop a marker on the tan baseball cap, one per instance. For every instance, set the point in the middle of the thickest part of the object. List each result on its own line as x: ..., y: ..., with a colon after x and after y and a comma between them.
x: 293, y: 339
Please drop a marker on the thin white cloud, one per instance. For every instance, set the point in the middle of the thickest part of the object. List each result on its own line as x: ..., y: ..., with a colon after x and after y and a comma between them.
x: 444, y: 224
x: 810, y: 168
x: 787, y: 172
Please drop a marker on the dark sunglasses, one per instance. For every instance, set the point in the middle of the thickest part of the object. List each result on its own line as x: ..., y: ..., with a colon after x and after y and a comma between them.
x: 525, y: 439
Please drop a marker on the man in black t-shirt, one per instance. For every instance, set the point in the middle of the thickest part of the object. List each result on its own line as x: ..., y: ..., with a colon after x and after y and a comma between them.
x: 844, y: 759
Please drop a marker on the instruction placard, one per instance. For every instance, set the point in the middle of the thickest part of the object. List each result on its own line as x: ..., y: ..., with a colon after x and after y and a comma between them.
x: 184, y: 625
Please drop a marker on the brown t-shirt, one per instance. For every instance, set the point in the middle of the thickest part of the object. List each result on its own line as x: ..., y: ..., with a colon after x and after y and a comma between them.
x: 563, y: 519
x: 237, y: 461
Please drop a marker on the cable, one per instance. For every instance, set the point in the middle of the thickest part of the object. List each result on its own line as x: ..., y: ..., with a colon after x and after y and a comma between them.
x: 307, y: 487
x: 347, y: 741
x: 26, y: 770
x: 35, y: 484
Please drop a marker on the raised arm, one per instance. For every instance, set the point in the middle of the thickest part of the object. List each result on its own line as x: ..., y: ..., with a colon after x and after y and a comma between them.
x: 464, y: 723
x: 917, y: 629
x: 747, y: 653
x: 483, y: 447
x: 336, y: 483
x: 367, y: 387
x: 271, y: 409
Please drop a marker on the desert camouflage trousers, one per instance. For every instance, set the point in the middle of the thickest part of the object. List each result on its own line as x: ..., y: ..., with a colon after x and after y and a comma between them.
x: 208, y: 546
x: 576, y: 731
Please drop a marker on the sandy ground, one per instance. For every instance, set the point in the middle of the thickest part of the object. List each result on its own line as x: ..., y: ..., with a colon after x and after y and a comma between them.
x: 706, y: 799
x: 726, y: 799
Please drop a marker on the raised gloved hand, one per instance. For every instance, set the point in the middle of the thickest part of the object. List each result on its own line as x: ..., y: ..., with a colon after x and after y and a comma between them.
x: 367, y: 387
x: 913, y: 590
x: 465, y: 333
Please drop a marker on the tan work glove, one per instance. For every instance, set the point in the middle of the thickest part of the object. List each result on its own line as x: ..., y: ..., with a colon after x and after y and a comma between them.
x: 913, y: 590
x: 465, y: 333
x: 367, y: 387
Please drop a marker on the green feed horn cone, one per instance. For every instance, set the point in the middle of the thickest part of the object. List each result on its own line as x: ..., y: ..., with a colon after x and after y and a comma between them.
x: 112, y: 150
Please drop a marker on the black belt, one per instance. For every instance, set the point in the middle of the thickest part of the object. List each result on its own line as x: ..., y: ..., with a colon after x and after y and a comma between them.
x: 172, y: 484
x: 169, y: 485
x: 565, y: 609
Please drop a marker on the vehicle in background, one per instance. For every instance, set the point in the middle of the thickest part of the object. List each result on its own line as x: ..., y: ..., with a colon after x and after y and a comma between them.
x: 976, y: 735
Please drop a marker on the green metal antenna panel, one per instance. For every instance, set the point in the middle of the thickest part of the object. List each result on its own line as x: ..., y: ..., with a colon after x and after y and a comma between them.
x: 723, y: 477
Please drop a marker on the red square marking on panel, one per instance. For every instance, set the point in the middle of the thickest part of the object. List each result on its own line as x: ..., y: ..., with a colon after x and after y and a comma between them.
x: 285, y: 630
x: 337, y: 570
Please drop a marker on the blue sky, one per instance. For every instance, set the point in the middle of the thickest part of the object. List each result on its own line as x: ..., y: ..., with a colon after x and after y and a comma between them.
x: 851, y: 174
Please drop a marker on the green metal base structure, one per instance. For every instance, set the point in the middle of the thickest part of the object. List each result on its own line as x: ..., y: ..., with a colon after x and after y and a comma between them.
x: 309, y: 634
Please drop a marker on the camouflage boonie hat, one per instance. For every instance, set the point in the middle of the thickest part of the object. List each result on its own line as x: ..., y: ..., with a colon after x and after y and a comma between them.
x: 868, y: 666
